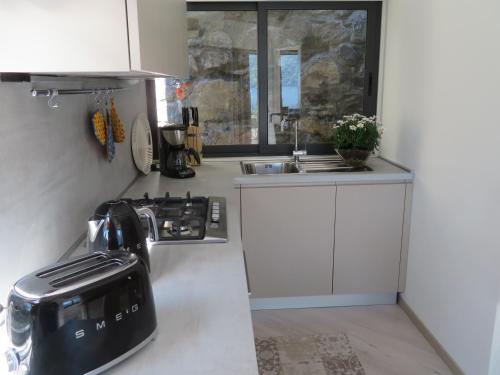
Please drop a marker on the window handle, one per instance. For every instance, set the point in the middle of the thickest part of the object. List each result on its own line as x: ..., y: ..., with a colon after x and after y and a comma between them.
x: 370, y: 84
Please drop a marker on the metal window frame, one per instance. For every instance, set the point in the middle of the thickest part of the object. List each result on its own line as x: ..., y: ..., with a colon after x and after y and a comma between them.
x: 373, y: 32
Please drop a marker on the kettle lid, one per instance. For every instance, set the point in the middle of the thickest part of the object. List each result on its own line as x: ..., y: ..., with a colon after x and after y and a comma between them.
x: 115, y: 208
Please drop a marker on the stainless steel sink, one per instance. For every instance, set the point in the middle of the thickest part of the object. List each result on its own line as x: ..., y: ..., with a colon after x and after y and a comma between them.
x: 268, y: 167
x: 326, y: 168
x: 311, y: 164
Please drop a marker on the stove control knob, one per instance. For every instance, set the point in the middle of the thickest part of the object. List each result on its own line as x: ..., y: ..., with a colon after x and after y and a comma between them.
x: 189, y: 202
x: 215, y: 212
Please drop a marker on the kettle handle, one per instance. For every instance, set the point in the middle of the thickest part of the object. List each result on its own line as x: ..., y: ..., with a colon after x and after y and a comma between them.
x: 144, y: 211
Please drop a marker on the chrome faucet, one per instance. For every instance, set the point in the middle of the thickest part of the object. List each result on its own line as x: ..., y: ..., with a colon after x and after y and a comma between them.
x: 298, y: 153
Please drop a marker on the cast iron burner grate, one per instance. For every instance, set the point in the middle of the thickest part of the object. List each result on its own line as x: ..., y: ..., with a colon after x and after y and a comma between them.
x: 177, y: 218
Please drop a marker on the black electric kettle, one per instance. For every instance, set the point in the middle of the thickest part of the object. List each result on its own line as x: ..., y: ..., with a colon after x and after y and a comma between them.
x: 116, y: 225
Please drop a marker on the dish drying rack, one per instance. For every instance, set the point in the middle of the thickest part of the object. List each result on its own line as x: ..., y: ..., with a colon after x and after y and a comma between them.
x: 52, y: 94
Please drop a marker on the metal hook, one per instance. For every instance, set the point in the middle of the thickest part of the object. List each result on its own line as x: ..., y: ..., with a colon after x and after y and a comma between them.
x: 111, y: 99
x: 97, y: 96
x: 107, y: 95
x: 51, y: 102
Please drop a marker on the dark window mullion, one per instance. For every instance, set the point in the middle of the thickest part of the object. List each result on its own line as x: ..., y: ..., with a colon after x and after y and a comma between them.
x: 262, y: 76
x: 373, y: 30
x: 317, y: 5
x: 220, y: 6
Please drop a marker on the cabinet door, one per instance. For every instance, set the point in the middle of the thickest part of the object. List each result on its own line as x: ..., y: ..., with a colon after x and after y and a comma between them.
x: 368, y: 230
x: 288, y: 238
x: 158, y: 36
x: 46, y: 36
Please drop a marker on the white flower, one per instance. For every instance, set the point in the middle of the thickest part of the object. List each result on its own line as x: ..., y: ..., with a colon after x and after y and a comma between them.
x: 352, y: 127
x: 381, y: 130
x: 360, y: 125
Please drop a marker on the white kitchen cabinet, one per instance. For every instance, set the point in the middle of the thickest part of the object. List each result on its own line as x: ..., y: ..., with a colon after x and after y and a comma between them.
x: 112, y: 37
x: 288, y: 240
x: 368, y: 237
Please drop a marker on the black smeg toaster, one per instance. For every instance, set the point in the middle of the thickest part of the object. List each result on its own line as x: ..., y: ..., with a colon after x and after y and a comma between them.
x: 80, y: 316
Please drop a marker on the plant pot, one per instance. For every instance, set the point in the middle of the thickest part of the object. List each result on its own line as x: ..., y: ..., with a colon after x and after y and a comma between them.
x: 354, y: 157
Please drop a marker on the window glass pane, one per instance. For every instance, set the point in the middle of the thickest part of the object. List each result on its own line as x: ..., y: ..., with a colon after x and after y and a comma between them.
x: 254, y: 80
x: 223, y: 72
x: 290, y: 79
x: 317, y: 66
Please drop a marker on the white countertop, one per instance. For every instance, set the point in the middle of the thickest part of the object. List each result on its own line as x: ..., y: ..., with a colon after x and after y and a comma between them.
x: 203, y: 311
x: 383, y: 172
x: 200, y: 291
x: 204, y: 320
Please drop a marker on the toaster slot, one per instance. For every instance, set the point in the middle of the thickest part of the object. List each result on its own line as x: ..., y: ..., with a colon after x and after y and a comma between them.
x: 79, y: 263
x: 82, y: 274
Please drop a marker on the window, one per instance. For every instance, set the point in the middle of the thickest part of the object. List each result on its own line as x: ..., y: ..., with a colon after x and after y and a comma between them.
x: 253, y: 64
x: 316, y: 61
x: 223, y: 70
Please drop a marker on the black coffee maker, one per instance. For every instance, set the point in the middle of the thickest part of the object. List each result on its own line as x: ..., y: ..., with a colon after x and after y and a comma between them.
x: 174, y: 155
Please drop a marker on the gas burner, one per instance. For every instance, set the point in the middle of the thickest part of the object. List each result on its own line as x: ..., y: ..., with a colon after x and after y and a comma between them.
x: 178, y: 228
x: 186, y: 219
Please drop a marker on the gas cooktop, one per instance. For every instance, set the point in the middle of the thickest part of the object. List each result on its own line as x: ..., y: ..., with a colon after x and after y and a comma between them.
x: 184, y: 219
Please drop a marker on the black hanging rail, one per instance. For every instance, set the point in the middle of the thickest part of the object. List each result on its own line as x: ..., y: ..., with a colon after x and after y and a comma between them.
x: 53, y: 93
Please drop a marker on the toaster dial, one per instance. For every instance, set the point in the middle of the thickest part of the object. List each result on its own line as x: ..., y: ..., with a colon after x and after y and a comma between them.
x: 13, y: 363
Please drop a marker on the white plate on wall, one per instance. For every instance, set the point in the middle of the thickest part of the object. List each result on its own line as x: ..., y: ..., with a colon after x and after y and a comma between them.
x: 142, y: 144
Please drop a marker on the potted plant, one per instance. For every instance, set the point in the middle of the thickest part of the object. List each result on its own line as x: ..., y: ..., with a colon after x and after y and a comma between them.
x: 356, y: 137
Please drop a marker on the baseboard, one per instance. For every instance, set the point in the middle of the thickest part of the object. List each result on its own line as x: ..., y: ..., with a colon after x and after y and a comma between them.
x: 433, y: 341
x: 323, y: 301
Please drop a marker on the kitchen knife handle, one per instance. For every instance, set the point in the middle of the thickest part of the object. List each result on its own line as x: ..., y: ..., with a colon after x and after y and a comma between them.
x: 197, y: 119
x: 194, y: 153
x: 185, y: 116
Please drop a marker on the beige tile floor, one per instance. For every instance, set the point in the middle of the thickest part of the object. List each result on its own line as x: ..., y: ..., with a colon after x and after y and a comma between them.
x: 385, y: 340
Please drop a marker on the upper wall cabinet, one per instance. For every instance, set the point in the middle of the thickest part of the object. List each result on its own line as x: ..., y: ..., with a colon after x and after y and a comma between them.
x: 94, y: 37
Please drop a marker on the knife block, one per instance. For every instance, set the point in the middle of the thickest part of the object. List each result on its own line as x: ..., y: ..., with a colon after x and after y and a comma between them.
x: 193, y: 140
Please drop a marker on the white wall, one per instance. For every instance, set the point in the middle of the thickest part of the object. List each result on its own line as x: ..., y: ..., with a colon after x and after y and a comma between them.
x: 441, y: 110
x: 53, y: 175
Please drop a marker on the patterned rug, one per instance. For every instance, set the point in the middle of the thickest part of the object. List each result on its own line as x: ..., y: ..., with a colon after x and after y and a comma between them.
x: 307, y: 355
